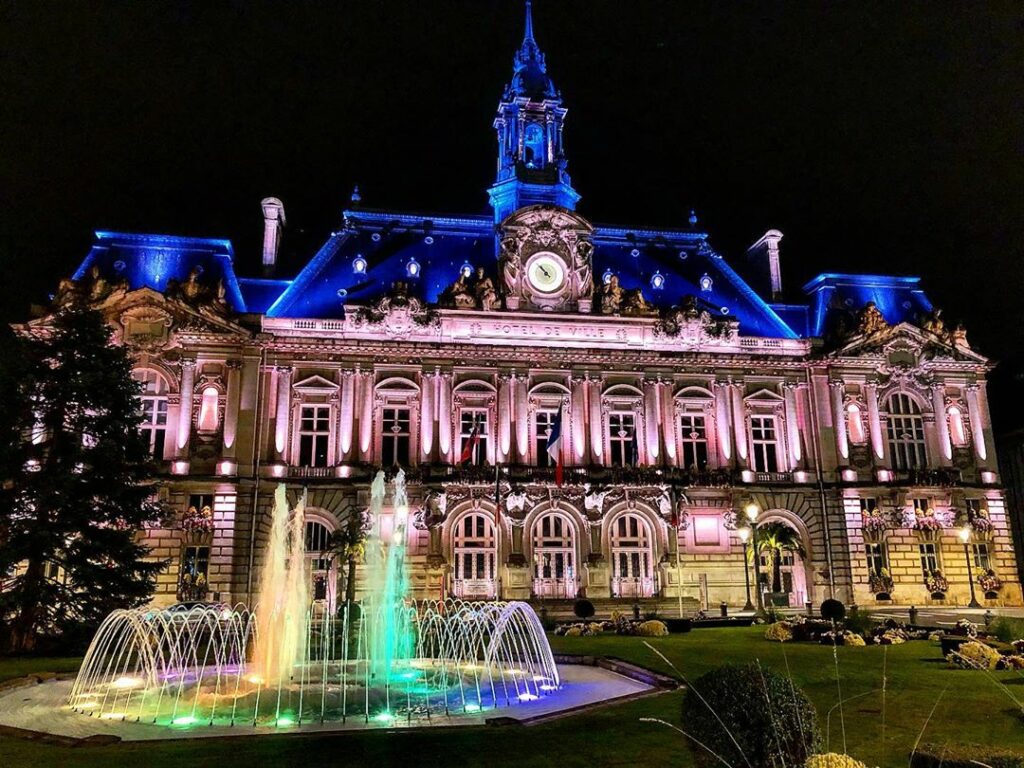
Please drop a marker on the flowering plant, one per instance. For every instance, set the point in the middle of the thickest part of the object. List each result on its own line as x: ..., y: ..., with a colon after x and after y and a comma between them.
x: 874, y: 522
x: 936, y: 582
x: 928, y: 523
x: 198, y: 521
x: 192, y: 588
x: 965, y: 628
x: 981, y: 524
x: 989, y: 581
x: 881, y: 582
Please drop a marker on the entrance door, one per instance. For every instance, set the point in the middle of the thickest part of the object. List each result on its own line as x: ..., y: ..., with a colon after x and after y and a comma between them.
x: 475, y: 557
x: 632, y: 557
x: 554, y: 557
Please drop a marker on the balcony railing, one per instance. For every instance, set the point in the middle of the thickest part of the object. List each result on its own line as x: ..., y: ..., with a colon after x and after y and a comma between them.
x: 555, y: 589
x: 634, y: 586
x: 943, y: 477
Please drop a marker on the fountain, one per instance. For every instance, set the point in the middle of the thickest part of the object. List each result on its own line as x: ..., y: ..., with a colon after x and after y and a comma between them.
x: 385, y: 660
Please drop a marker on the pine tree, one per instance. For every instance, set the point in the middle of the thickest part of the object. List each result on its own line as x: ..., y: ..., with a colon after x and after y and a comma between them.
x: 77, y: 485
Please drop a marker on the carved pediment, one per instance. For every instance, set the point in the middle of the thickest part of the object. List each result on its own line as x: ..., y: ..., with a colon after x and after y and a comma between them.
x: 315, y: 385
x: 906, y: 346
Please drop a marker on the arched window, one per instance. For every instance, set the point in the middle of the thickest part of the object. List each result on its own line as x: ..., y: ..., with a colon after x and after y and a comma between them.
x: 533, y: 146
x: 475, y: 554
x: 957, y: 428
x: 632, y: 557
x: 855, y: 424
x: 319, y: 564
x: 153, y: 402
x: 554, y: 556
x: 905, y: 432
x: 209, y: 417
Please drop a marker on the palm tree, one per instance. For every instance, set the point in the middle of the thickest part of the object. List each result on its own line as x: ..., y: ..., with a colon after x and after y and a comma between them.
x: 774, y: 540
x: 349, y: 544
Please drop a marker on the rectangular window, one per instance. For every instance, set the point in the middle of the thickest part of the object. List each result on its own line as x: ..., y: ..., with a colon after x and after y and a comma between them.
x: 876, y: 558
x: 929, y: 558
x: 694, y: 436
x: 200, y: 500
x: 154, y: 424
x: 764, y: 443
x: 973, y: 507
x: 543, y: 421
x: 193, y: 581
x: 622, y: 439
x: 467, y: 418
x: 395, y: 436
x: 868, y: 503
x: 921, y: 505
x: 314, y: 434
x: 982, y: 558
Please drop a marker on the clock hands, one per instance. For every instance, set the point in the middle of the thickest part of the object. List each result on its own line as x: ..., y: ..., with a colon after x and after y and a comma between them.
x: 541, y: 268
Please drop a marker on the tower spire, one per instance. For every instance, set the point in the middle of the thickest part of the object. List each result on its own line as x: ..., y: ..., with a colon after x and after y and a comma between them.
x: 528, y: 32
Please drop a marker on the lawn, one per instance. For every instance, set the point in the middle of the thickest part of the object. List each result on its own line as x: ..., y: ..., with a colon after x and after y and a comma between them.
x: 971, y: 707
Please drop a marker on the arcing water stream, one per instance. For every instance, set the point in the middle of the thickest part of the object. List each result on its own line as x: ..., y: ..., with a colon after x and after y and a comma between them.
x: 383, y: 659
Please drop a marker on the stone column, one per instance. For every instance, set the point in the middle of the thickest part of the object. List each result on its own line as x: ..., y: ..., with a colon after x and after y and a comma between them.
x: 506, y: 383
x: 874, y: 420
x: 792, y: 423
x: 522, y: 420
x: 668, y: 422
x: 427, y: 413
x: 596, y: 425
x: 941, y: 422
x: 444, y: 416
x: 366, y: 415
x: 283, y: 416
x: 739, y: 423
x: 233, y: 399
x: 836, y: 391
x: 722, y: 395
x: 188, y: 379
x: 977, y: 425
x: 651, y: 421
x: 346, y: 415
x: 579, y: 444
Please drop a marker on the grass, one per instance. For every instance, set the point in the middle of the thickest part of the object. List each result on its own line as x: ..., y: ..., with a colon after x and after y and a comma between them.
x: 20, y: 666
x: 972, y: 708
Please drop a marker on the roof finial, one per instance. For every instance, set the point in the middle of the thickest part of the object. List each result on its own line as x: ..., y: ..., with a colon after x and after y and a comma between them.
x: 528, y: 33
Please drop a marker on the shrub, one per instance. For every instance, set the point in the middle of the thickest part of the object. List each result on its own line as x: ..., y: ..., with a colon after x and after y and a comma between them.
x: 1007, y: 629
x: 833, y: 760
x: 964, y: 756
x: 780, y: 632
x: 859, y: 623
x: 652, y: 628
x: 853, y: 639
x: 974, y: 655
x: 574, y: 631
x: 769, y: 717
x: 595, y: 627
x: 1010, y: 662
x: 583, y: 608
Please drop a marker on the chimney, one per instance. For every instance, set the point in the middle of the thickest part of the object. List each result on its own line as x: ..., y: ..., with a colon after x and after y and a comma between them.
x: 273, y: 223
x: 763, y: 255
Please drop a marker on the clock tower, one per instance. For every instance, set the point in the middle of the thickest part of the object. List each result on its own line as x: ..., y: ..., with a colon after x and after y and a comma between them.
x: 531, y: 158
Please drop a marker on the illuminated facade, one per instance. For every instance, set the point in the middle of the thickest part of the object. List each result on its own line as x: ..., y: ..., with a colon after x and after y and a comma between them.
x: 452, y: 346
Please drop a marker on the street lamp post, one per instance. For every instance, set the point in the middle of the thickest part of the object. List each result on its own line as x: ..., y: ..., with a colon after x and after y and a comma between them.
x: 752, y: 511
x: 744, y: 534
x: 965, y: 537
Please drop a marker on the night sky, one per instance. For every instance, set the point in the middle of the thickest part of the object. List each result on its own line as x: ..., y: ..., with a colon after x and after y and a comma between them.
x: 878, y: 137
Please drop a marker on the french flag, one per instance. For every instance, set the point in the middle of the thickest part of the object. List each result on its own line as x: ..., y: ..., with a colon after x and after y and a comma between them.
x: 469, y: 449
x: 555, y: 446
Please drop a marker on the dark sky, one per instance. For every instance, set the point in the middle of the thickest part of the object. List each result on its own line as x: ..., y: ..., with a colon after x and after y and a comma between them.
x: 876, y: 136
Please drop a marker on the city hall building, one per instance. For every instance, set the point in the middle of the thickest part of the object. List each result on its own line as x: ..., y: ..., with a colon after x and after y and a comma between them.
x: 581, y: 409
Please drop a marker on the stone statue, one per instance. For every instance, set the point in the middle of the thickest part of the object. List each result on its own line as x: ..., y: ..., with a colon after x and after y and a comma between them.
x: 67, y: 292
x: 934, y: 323
x: 870, y: 321
x: 611, y: 296
x: 457, y: 294
x: 99, y: 288
x: 636, y: 305
x: 483, y: 288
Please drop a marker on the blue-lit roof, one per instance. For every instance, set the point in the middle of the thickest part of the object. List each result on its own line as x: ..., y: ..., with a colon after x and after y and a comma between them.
x: 390, y: 243
x: 151, y: 261
x: 259, y: 293
x: 899, y: 299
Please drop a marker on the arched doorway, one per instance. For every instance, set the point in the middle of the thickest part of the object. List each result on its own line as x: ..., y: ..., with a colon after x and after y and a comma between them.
x: 632, y: 549
x: 321, y: 567
x: 475, y: 555
x: 553, y: 539
x: 782, y: 554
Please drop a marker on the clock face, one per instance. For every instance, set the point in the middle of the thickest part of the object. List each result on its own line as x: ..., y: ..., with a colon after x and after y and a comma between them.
x: 546, y: 273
